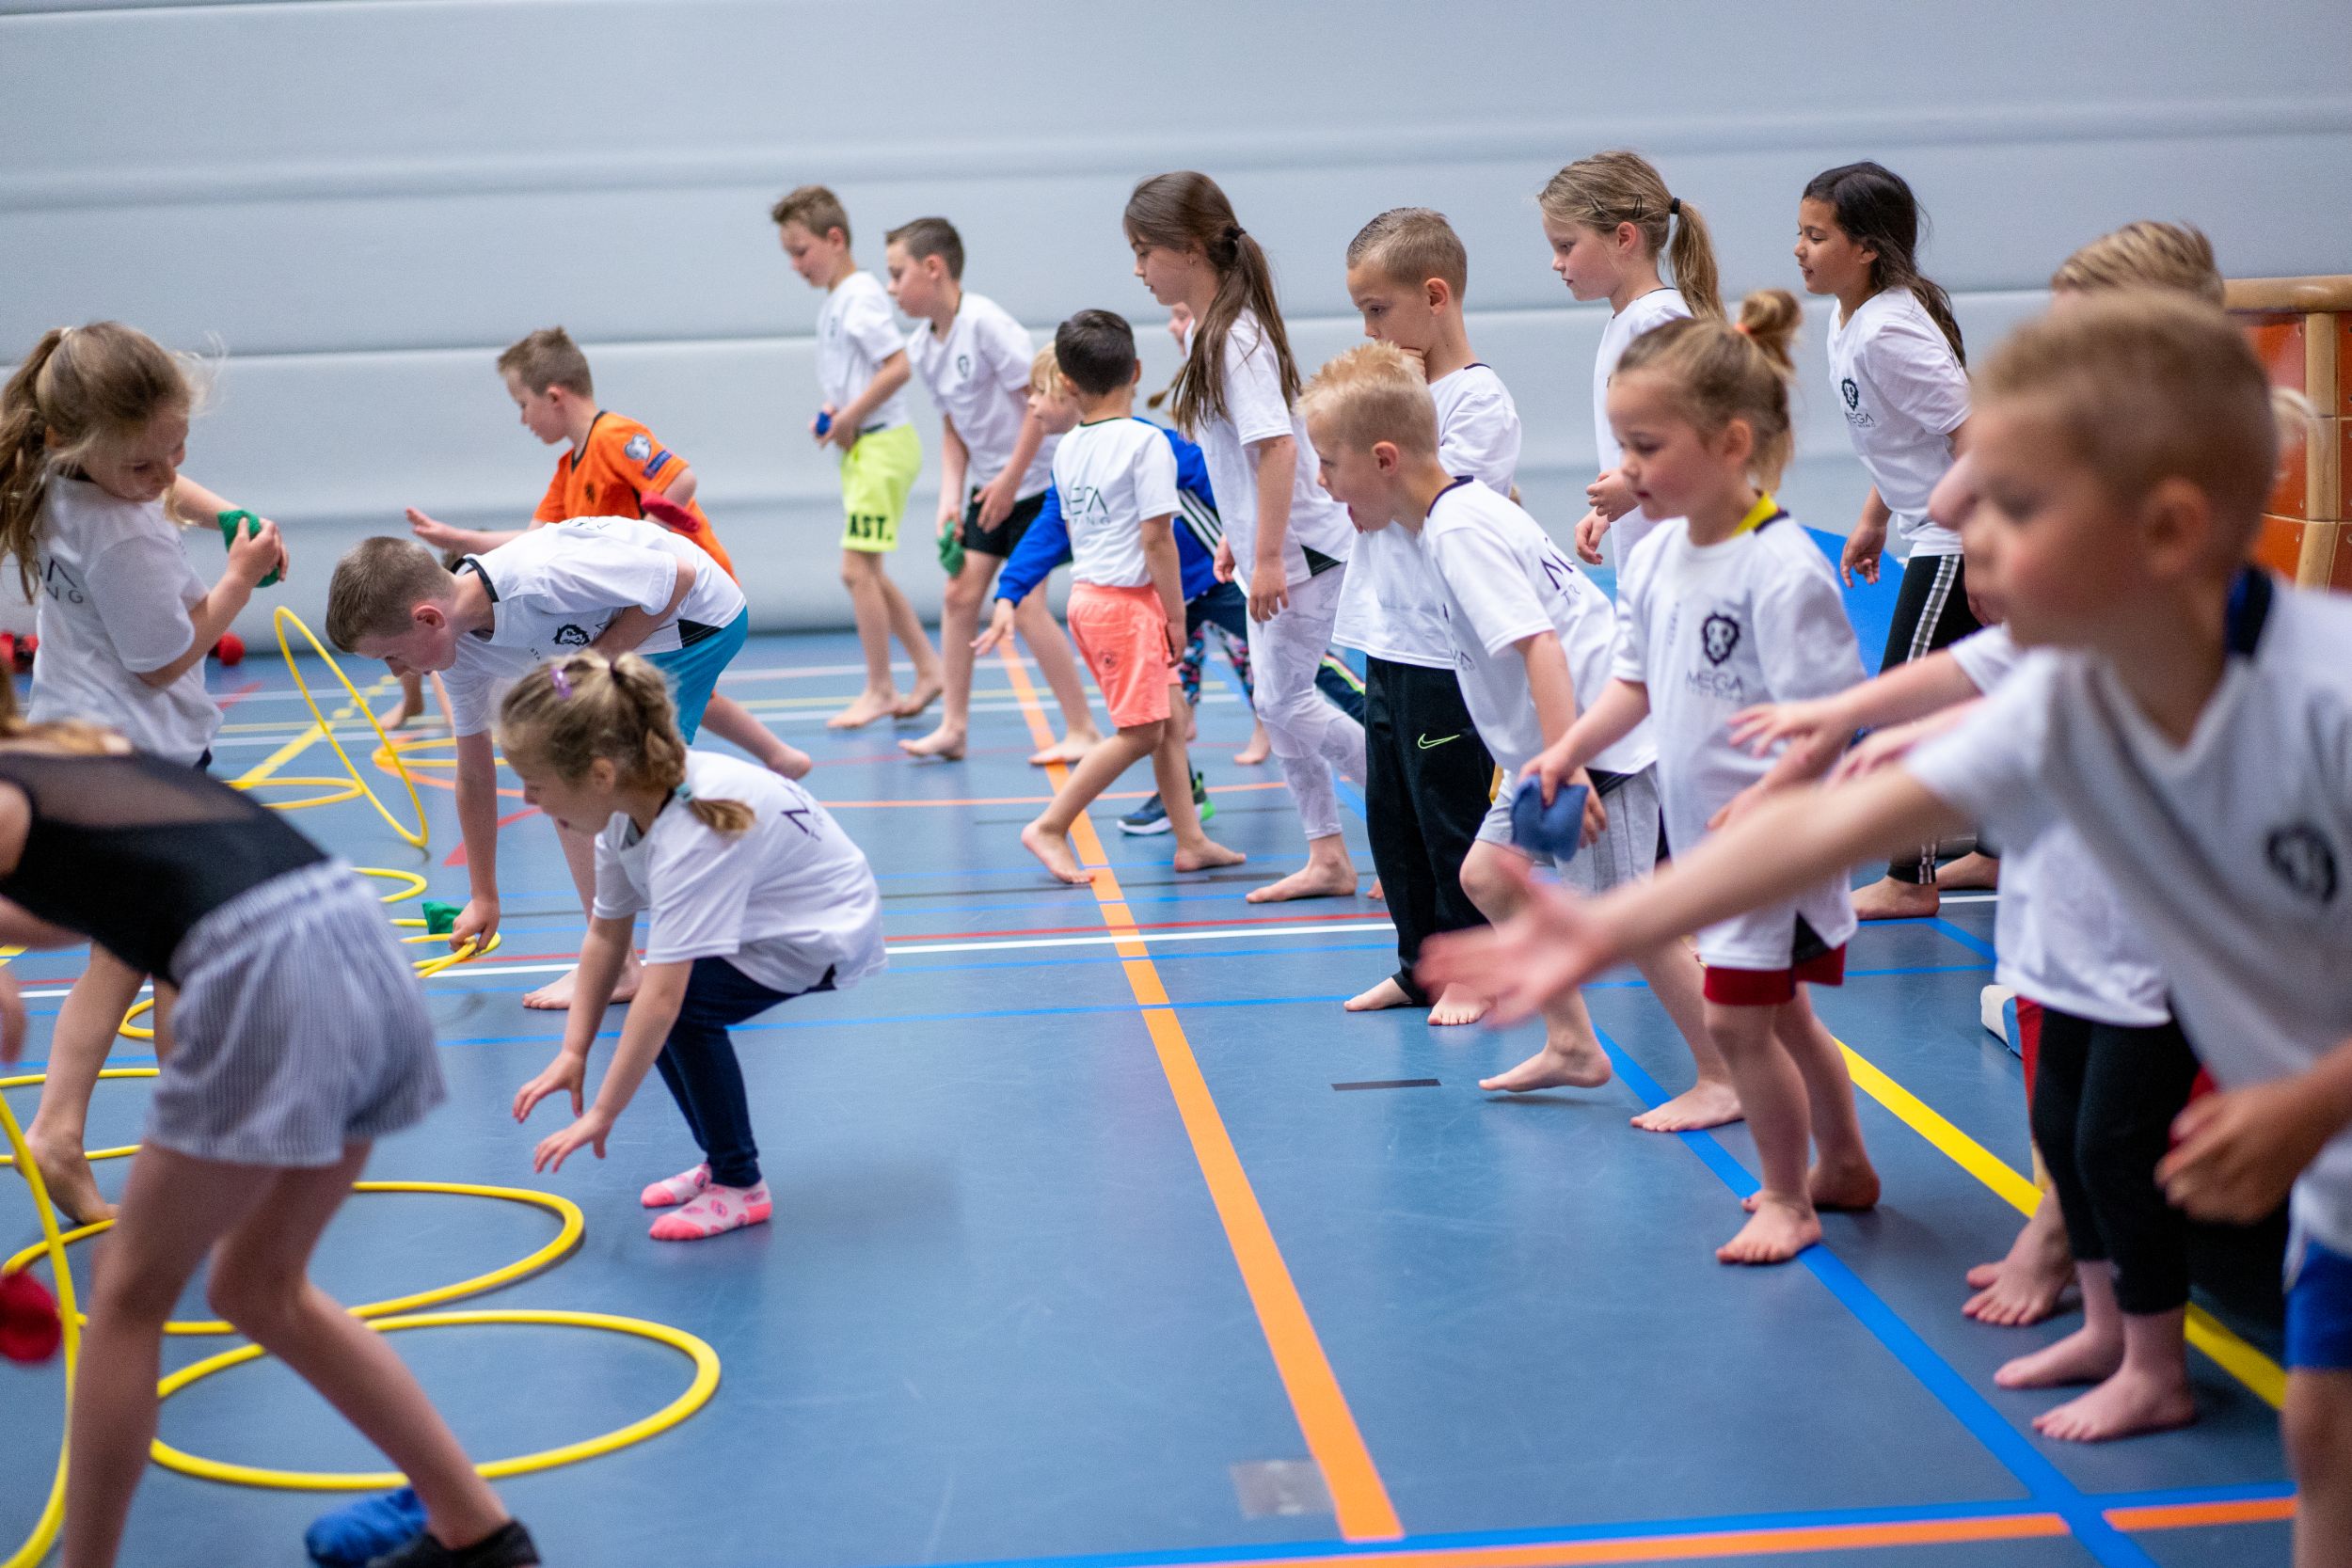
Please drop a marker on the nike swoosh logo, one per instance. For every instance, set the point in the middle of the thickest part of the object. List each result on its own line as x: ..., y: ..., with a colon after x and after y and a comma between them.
x: 1428, y: 745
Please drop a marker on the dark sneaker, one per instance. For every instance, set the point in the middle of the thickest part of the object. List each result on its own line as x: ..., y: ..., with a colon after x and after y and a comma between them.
x: 1147, y: 818
x: 508, y: 1546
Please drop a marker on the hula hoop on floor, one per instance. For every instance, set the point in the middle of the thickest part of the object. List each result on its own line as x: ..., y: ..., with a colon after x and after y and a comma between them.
x: 31, y: 1080
x: 281, y: 620
x: 338, y: 791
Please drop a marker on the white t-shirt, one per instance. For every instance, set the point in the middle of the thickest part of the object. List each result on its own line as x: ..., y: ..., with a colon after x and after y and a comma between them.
x: 117, y: 589
x: 1641, y: 313
x: 2063, y: 937
x: 555, y: 588
x: 2232, y: 853
x: 783, y: 902
x: 1255, y: 411
x: 1710, y: 631
x: 979, y: 376
x: 1390, y: 606
x: 1111, y: 475
x: 1903, y: 393
x: 857, y: 331
x: 1502, y: 579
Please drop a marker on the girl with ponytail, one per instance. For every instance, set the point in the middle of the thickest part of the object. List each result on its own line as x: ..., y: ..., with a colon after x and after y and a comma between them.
x: 756, y: 895
x: 1610, y: 218
x: 1899, y: 373
x: 1284, y: 536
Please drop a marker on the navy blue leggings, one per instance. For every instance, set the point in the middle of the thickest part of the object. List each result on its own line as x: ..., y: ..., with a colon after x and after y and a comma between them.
x: 698, y: 1064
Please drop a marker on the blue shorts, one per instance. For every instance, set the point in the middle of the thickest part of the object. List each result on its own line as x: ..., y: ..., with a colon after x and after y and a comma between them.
x: 692, y: 671
x: 2319, y: 1311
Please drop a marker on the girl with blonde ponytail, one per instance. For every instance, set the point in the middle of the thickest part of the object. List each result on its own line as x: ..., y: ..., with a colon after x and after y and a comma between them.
x: 1611, y: 219
x: 756, y: 895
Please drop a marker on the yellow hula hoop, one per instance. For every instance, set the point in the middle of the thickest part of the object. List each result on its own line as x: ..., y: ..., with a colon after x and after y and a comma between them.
x: 339, y: 790
x: 285, y: 617
x: 567, y: 1239
x: 131, y: 1031
x: 28, y: 1080
x: 427, y: 967
x: 416, y: 884
x: 698, y: 1392
x: 52, y: 1517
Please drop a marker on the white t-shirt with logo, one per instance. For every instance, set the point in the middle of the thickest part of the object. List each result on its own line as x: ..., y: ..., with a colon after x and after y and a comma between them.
x: 785, y: 902
x: 979, y: 376
x: 2232, y: 852
x: 856, y: 330
x: 1501, y: 580
x: 1111, y: 475
x: 1758, y: 618
x: 1641, y: 314
x: 1255, y: 410
x: 116, y: 590
x: 555, y: 588
x: 1390, y: 606
x: 1903, y: 393
x: 2062, y: 937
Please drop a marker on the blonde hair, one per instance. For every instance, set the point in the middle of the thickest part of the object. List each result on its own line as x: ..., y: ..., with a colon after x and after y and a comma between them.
x: 570, y: 712
x: 1373, y: 392
x: 1717, y: 372
x: 2146, y: 385
x: 1045, y: 373
x: 78, y: 737
x: 815, y: 208
x: 1410, y: 245
x: 2145, y: 255
x: 1610, y: 188
x: 546, y: 358
x: 376, y: 586
x: 79, y: 387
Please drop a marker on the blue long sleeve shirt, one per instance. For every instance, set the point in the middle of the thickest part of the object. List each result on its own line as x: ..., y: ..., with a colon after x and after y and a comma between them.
x: 1046, y: 545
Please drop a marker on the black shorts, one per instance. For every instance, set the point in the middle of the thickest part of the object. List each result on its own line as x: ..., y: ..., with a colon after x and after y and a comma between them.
x: 1001, y: 540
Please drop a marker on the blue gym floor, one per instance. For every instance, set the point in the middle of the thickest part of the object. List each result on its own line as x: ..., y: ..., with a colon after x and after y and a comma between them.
x: 1087, y: 1246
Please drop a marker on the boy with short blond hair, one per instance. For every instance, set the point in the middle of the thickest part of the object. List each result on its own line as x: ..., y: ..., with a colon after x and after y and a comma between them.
x: 862, y: 369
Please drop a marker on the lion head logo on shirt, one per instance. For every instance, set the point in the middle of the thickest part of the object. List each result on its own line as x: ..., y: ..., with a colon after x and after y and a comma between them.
x: 2303, y: 860
x: 1852, y: 391
x: 964, y: 364
x: 570, y: 636
x: 1719, y: 635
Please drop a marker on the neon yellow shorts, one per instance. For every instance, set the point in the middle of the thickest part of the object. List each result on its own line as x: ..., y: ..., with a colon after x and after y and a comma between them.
x: 877, y: 476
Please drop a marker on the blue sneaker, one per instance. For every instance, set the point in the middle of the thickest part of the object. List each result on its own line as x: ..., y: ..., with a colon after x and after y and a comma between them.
x: 1151, y: 816
x: 354, y: 1536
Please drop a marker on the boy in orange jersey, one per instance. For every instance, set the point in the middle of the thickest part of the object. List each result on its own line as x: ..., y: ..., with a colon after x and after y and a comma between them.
x: 614, y: 469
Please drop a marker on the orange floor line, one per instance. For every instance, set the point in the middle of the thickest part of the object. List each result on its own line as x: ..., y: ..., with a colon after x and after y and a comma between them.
x: 1360, y: 1499
x: 2252, y: 1511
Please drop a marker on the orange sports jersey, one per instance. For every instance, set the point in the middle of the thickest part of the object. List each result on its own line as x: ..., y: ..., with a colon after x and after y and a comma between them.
x: 609, y: 477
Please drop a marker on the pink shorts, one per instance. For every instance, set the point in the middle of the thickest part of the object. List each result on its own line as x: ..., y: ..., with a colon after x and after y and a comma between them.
x: 1123, y: 634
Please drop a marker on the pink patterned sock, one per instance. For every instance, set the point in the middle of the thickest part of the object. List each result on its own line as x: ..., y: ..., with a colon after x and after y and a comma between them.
x: 676, y: 1190
x: 716, y: 1212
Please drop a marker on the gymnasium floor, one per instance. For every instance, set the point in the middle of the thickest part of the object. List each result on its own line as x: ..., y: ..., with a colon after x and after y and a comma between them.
x: 1087, y: 1245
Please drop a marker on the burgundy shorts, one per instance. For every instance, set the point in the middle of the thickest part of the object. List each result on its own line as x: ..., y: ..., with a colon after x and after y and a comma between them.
x: 1769, y: 988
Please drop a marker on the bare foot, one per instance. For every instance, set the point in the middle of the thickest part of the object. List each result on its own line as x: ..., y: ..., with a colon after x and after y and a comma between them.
x: 1776, y: 1231
x: 1374, y: 892
x: 409, y: 711
x: 1971, y: 870
x: 2026, y: 1286
x: 1207, y: 856
x: 1708, y: 1103
x: 556, y: 996
x: 1387, y: 993
x: 2131, y: 1401
x: 1260, y: 748
x: 1842, y: 1190
x: 1889, y: 900
x: 1070, y: 748
x: 943, y: 743
x: 1054, y: 849
x: 1310, y: 882
x: 926, y: 693
x: 1458, y: 1005
x: 71, y: 1185
x: 869, y: 707
x: 1581, y: 1065
x: 2082, y: 1356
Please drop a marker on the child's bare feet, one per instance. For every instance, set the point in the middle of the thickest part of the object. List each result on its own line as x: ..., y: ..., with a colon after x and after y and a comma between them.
x: 868, y: 706
x: 1069, y: 748
x: 1375, y: 893
x: 1260, y: 748
x: 1387, y: 993
x: 2026, y: 1286
x: 1777, y: 1229
x: 71, y: 1185
x: 1315, y: 880
x: 1458, y: 1005
x: 926, y: 693
x: 1206, y: 856
x: 1708, y: 1103
x: 556, y: 996
x: 411, y: 704
x: 1839, y: 1189
x: 1972, y: 870
x: 943, y: 743
x: 1889, y: 900
x: 1573, y: 1065
x: 2086, y: 1355
x: 2132, y: 1401
x: 1054, y: 849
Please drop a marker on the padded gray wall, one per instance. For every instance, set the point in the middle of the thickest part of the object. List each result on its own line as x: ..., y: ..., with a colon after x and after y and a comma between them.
x: 359, y: 201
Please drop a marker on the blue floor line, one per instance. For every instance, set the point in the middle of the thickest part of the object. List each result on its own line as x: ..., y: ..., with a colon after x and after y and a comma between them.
x: 1969, y: 939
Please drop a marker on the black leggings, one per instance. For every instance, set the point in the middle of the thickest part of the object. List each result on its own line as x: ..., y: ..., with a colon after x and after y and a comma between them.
x: 1930, y: 612
x: 2103, y: 1099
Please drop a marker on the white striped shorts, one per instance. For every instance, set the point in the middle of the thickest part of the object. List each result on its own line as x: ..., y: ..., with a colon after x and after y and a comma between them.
x: 299, y: 1028
x: 1627, y: 849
